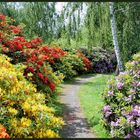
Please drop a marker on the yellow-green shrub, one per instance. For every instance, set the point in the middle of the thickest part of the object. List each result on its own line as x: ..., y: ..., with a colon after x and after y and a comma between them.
x: 69, y: 65
x: 22, y: 109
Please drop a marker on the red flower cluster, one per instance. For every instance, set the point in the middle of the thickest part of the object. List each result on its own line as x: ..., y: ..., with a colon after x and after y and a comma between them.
x: 2, y: 17
x: 2, y: 20
x: 16, y: 44
x: 14, y: 29
x: 51, y: 54
x: 19, y: 44
x: 40, y: 75
x: 37, y: 57
x: 3, y: 133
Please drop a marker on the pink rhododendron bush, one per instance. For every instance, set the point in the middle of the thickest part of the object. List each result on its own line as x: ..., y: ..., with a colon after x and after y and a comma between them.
x: 122, y: 98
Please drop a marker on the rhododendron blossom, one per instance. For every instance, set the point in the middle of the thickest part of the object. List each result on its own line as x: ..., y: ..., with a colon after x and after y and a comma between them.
x: 3, y: 133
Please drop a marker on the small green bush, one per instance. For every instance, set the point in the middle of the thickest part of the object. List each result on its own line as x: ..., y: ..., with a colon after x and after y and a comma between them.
x: 69, y: 65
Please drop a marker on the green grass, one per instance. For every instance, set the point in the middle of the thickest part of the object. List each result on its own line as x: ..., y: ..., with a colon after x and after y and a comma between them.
x: 91, y: 100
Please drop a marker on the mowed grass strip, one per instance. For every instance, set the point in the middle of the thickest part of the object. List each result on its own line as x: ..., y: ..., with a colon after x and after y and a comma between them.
x: 91, y: 100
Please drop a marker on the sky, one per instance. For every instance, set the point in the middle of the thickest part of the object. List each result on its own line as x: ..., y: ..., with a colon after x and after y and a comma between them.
x: 59, y: 6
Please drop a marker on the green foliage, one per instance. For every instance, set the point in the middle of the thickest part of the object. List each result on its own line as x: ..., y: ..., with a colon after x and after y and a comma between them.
x: 98, y: 24
x: 127, y: 22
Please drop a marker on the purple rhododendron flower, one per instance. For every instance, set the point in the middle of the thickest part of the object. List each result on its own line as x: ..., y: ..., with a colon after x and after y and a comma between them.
x: 114, y: 124
x: 110, y: 66
x: 122, y: 73
x: 108, y: 113
x: 129, y: 99
x: 129, y: 119
x: 138, y: 122
x: 138, y: 85
x: 132, y: 123
x: 110, y: 93
x: 136, y: 110
x: 128, y: 136
x: 120, y: 85
x: 106, y: 108
x: 137, y: 132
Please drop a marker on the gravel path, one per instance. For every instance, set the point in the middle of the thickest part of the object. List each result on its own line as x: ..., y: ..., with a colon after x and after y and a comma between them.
x: 75, y: 122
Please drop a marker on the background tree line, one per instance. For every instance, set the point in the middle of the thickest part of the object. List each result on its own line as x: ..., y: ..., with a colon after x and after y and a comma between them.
x: 72, y: 28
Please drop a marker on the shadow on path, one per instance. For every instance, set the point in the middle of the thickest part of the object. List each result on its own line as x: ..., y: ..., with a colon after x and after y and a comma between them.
x: 75, y: 126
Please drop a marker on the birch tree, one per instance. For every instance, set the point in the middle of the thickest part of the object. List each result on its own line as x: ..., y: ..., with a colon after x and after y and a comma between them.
x: 115, y: 39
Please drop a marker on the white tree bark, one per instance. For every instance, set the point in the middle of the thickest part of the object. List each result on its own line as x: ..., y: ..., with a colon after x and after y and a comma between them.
x: 115, y: 38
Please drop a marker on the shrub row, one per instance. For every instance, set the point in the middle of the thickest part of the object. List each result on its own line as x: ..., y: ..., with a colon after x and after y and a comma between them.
x: 26, y: 87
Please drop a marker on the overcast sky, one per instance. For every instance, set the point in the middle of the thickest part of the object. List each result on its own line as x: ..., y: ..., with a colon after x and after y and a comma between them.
x: 59, y: 6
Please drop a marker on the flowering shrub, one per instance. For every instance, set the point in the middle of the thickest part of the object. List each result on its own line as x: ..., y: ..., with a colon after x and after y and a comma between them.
x: 23, y: 110
x: 32, y: 54
x: 122, y: 98
x: 66, y: 65
x: 103, y: 61
x: 86, y: 62
x: 78, y: 53
x: 37, y: 64
x: 71, y: 65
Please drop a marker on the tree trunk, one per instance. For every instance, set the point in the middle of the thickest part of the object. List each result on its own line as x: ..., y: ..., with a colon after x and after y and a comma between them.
x: 115, y: 39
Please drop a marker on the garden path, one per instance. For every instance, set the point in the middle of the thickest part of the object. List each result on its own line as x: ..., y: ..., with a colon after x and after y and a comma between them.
x: 75, y: 122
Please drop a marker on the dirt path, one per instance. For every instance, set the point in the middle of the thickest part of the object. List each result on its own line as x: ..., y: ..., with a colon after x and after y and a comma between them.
x: 75, y: 122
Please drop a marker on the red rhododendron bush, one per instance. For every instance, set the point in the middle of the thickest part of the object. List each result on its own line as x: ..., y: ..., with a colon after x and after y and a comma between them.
x: 33, y: 54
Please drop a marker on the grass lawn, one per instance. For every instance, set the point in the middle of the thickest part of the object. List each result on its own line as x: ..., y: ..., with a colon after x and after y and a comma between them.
x: 92, y: 102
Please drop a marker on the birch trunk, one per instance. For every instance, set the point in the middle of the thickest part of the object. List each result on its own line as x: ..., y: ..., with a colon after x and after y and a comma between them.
x: 115, y: 39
